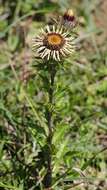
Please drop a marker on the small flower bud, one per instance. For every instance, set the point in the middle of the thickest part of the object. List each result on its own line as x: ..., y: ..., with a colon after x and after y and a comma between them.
x: 69, y: 19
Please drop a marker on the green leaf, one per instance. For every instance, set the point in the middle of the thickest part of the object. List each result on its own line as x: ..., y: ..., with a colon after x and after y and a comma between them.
x: 13, y: 41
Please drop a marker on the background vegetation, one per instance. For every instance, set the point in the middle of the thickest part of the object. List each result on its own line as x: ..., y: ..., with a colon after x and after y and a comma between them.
x: 79, y: 143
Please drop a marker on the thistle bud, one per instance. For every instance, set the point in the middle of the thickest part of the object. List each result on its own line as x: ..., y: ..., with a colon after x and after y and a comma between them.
x: 69, y: 19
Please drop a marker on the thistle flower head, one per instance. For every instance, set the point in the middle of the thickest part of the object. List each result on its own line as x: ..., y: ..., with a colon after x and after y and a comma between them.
x: 69, y: 20
x: 53, y: 43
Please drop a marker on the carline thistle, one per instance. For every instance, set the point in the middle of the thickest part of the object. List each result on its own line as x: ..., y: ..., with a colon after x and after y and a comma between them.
x: 56, y: 41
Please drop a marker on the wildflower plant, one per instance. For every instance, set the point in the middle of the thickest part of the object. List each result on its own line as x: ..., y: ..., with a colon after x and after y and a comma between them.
x: 51, y: 47
x: 53, y: 110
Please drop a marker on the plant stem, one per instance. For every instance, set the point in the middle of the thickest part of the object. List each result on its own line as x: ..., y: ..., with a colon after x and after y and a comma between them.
x: 51, y: 91
x: 48, y: 177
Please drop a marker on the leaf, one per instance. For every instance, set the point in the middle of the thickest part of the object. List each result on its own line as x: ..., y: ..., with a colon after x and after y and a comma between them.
x: 59, y: 133
x: 7, y: 186
x: 7, y: 113
x: 60, y: 155
x: 1, y: 149
x: 13, y: 41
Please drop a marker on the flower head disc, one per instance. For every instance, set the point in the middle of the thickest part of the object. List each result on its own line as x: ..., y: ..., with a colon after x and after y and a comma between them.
x: 53, y: 43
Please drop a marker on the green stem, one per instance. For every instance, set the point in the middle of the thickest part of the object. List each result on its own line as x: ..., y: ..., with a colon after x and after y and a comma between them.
x: 48, y: 177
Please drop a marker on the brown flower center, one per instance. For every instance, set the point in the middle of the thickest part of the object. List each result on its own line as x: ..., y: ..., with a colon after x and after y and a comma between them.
x: 54, y: 41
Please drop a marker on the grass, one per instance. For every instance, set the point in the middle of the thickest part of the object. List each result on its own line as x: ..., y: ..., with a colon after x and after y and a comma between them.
x: 80, y: 107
